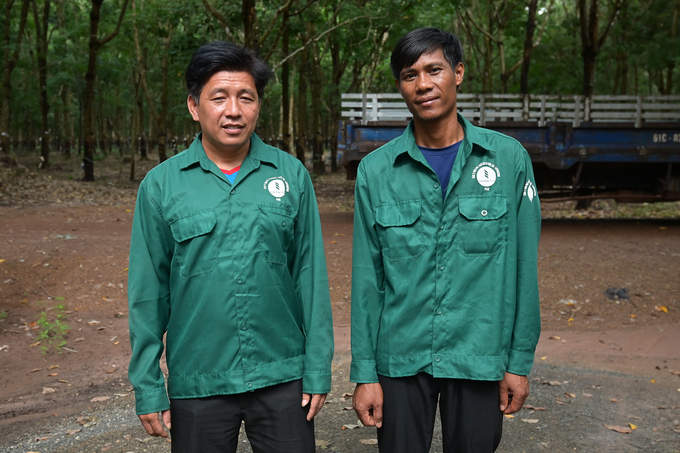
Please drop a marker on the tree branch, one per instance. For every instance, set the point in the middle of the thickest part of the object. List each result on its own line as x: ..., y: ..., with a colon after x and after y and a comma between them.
x: 297, y: 13
x: 316, y: 38
x: 484, y: 32
x: 612, y: 18
x: 120, y: 21
x: 220, y: 18
x: 278, y: 12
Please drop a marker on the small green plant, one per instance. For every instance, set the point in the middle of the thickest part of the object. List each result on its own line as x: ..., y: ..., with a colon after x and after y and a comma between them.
x: 53, y: 329
x: 3, y: 315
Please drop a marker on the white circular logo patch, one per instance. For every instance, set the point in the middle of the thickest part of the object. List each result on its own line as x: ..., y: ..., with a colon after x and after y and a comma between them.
x: 486, y: 176
x: 277, y: 188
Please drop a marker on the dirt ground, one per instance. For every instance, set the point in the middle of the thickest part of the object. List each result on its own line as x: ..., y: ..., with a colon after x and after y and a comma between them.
x: 601, y: 361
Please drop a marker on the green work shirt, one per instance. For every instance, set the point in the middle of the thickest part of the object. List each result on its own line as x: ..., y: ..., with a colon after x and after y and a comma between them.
x: 446, y: 287
x: 234, y: 275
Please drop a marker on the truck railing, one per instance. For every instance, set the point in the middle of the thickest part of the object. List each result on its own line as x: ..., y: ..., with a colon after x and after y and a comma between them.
x: 540, y: 109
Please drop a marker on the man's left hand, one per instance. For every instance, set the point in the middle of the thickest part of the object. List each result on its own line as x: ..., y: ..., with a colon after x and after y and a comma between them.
x: 514, y: 392
x: 315, y: 405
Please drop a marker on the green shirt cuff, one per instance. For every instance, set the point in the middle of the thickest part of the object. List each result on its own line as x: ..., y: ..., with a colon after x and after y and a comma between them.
x: 151, y: 401
x: 520, y: 363
x: 363, y: 372
x: 316, y: 383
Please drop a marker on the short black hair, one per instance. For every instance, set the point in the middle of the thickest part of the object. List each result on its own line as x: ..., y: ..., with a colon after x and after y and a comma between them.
x: 421, y: 41
x: 217, y: 56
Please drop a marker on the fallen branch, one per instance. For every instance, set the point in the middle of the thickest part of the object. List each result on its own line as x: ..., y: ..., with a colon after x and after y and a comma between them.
x: 43, y: 288
x: 12, y: 331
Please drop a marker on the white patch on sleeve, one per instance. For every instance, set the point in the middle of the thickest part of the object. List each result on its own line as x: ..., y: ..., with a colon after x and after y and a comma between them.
x: 529, y: 190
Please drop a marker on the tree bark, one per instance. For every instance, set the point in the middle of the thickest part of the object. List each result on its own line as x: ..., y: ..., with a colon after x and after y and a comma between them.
x: 528, y: 46
x: 591, y: 39
x: 94, y: 45
x: 41, y: 42
x: 301, y: 129
x: 319, y: 166
x: 10, y: 58
x: 285, y: 89
x: 250, y: 38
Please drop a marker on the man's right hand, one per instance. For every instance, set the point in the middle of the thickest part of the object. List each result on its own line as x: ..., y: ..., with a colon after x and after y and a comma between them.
x: 152, y: 423
x: 368, y: 404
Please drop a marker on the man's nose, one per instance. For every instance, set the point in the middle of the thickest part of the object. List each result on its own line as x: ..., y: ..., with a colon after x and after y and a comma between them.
x: 232, y: 108
x: 424, y: 82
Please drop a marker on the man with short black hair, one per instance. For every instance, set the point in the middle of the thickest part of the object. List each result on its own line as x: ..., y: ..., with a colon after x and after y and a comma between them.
x: 227, y: 261
x: 445, y: 307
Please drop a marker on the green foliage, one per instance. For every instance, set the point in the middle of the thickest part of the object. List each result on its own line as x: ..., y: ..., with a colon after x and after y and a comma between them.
x: 53, y: 328
x: 3, y: 315
x: 349, y: 44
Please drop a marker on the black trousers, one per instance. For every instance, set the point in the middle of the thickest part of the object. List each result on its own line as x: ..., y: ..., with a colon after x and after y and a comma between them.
x: 470, y: 411
x: 274, y: 419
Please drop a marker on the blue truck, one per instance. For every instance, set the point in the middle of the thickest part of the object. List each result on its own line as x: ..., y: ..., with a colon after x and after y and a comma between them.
x: 621, y: 147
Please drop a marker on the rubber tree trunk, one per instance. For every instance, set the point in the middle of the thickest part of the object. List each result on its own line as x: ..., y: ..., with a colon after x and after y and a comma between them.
x: 90, y: 76
x: 41, y: 27
x: 528, y: 46
x: 10, y: 58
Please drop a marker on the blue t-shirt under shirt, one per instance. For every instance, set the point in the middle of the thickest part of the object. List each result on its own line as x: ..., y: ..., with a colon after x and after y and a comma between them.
x: 441, y: 160
x: 231, y: 174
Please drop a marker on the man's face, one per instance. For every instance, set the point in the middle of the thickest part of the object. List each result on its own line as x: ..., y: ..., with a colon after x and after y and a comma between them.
x: 429, y: 86
x: 227, y: 111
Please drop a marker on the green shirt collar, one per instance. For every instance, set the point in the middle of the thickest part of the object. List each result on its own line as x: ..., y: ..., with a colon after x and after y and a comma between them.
x: 258, y: 152
x: 407, y: 142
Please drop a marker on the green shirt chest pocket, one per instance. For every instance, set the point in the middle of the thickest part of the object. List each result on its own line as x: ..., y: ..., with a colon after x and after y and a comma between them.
x: 400, y: 233
x: 275, y: 232
x: 482, y: 227
x: 195, y: 247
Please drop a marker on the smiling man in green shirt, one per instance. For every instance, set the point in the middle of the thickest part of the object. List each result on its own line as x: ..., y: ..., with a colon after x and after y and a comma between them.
x: 445, y: 306
x: 227, y: 261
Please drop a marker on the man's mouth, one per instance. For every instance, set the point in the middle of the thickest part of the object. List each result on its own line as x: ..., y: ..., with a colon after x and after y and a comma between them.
x: 233, y: 128
x: 426, y: 101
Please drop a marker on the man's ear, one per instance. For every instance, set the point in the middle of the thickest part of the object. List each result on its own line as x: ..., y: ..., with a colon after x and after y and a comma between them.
x: 193, y: 107
x: 460, y: 73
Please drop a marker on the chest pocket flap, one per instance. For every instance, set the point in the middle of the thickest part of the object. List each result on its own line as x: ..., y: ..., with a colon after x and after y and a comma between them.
x: 193, y: 225
x: 400, y: 233
x: 483, y: 208
x: 398, y: 214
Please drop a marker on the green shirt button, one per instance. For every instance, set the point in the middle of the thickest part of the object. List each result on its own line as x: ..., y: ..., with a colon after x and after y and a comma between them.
x: 441, y: 227
x: 249, y: 384
x: 437, y: 358
x: 244, y: 327
x: 439, y: 311
x: 484, y: 213
x: 436, y: 185
x: 442, y: 267
x: 239, y: 280
x: 233, y: 191
x: 283, y: 224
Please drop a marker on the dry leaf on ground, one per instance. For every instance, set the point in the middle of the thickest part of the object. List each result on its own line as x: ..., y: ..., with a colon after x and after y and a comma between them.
x: 533, y: 408
x: 369, y: 441
x: 619, y: 429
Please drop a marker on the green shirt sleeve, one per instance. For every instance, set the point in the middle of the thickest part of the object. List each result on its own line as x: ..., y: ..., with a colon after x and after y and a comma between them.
x: 311, y: 278
x: 149, y: 303
x: 527, y: 323
x: 367, y: 285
